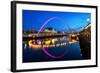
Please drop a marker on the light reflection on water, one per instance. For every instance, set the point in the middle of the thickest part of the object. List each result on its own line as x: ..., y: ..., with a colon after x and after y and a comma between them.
x: 72, y: 53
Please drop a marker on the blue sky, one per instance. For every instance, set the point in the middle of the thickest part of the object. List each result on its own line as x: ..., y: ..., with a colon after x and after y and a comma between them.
x: 33, y: 20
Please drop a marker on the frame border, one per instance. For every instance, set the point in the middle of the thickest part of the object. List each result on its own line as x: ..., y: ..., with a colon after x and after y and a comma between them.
x: 13, y: 35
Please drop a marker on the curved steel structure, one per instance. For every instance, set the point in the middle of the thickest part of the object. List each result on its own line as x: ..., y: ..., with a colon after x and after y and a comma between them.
x: 44, y: 50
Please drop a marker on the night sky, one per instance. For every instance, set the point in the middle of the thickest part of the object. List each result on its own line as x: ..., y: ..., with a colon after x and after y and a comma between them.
x: 33, y: 20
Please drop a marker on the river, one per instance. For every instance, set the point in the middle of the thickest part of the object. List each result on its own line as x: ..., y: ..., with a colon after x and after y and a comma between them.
x: 71, y: 52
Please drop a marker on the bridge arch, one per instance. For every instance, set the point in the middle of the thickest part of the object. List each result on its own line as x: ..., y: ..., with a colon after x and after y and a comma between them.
x: 50, y: 19
x: 43, y: 49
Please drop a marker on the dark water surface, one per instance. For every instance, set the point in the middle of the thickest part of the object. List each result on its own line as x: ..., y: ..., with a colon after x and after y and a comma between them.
x: 71, y: 52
